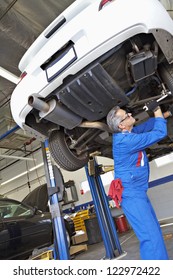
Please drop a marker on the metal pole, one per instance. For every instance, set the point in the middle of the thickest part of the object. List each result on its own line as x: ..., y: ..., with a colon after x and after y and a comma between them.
x: 105, y: 220
x: 61, y: 251
x: 100, y: 216
x: 113, y: 232
x: 9, y: 132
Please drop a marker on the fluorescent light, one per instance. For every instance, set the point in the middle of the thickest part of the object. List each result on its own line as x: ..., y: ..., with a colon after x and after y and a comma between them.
x: 37, y: 166
x: 14, y: 178
x: 9, y: 76
x: 22, y: 174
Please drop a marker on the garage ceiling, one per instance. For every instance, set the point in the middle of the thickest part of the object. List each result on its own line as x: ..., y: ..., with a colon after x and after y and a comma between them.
x: 21, y: 22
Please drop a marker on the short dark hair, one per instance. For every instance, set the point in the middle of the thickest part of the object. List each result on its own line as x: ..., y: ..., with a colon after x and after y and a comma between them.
x: 113, y: 120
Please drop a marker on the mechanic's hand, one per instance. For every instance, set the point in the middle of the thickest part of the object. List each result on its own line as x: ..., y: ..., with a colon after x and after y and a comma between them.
x: 151, y: 106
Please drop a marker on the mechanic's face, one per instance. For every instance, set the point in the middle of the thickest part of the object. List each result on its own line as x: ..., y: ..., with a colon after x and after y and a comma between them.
x: 127, y: 121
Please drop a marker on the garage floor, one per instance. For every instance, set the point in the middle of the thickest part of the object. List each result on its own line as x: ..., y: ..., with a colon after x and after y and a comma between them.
x: 129, y: 245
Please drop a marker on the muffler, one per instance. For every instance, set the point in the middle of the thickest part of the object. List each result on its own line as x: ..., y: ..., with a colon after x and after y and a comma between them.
x: 55, y: 112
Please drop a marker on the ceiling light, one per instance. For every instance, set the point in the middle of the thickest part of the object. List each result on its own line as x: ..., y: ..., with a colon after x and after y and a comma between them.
x: 14, y: 178
x: 22, y: 174
x: 9, y: 76
x: 36, y: 167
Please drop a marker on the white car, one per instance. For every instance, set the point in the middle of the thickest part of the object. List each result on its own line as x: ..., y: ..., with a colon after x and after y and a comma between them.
x: 95, y: 55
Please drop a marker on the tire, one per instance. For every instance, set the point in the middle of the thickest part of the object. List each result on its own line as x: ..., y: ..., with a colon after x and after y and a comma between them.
x: 166, y: 73
x: 68, y: 239
x: 62, y: 154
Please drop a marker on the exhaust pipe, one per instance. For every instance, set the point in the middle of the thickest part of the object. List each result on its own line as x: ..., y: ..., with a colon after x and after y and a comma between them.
x: 55, y: 112
x: 38, y: 104
x: 98, y: 125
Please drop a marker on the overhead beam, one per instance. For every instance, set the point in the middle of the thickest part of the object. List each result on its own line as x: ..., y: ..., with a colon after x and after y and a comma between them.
x: 16, y: 157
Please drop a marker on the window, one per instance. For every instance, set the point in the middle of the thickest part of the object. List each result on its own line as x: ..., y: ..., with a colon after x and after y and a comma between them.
x: 9, y: 209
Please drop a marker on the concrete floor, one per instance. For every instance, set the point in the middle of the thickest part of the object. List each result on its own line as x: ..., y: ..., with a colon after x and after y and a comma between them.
x: 129, y: 244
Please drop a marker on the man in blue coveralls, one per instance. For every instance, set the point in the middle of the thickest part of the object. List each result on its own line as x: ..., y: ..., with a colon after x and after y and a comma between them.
x: 132, y: 167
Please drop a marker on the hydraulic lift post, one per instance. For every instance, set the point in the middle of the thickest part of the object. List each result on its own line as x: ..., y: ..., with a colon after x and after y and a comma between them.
x: 61, y: 250
x: 105, y: 220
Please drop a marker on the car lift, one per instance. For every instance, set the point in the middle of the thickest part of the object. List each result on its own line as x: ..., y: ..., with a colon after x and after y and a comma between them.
x: 61, y: 251
x: 105, y: 220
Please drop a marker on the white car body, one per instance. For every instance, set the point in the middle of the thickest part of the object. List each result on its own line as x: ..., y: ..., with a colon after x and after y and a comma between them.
x: 92, y: 32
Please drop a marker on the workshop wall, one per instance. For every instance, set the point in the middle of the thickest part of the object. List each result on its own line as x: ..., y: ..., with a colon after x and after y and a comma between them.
x: 161, y: 195
x: 161, y: 198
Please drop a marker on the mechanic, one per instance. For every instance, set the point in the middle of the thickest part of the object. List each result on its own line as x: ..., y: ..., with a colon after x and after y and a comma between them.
x: 131, y: 166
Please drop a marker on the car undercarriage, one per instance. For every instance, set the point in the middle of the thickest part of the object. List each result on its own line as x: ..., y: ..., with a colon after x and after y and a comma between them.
x: 73, y: 116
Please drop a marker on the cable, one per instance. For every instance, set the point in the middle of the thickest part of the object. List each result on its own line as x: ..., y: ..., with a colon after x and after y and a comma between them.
x: 27, y: 173
x: 35, y: 165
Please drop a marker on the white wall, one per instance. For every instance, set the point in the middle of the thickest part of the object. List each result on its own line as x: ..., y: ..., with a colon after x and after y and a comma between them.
x: 161, y: 196
x: 160, y: 172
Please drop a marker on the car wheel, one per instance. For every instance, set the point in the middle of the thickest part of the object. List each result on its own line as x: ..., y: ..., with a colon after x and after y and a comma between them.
x: 68, y: 238
x: 166, y: 73
x: 69, y: 241
x: 62, y: 154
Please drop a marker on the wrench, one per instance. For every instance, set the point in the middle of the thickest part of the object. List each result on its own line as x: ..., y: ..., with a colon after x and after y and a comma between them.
x: 164, y: 96
x: 158, y: 100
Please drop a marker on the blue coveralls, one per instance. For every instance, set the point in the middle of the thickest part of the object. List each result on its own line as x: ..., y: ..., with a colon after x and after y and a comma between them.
x: 131, y: 165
